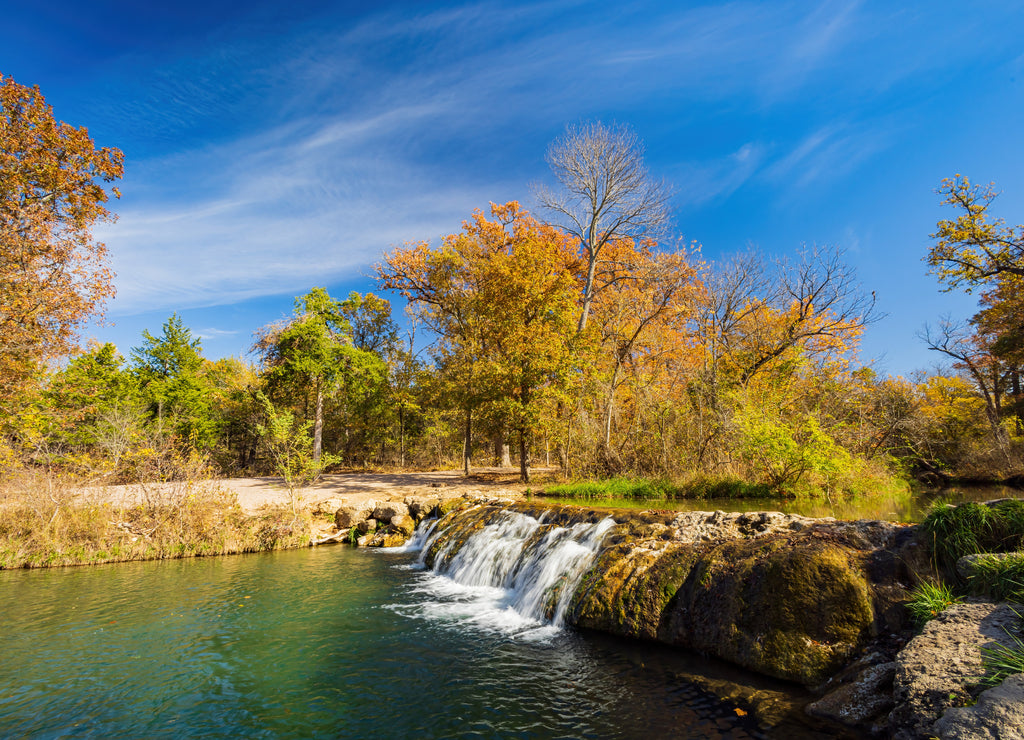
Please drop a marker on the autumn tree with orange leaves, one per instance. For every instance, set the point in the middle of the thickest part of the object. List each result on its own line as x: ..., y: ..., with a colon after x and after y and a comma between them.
x: 502, y: 297
x: 53, y: 274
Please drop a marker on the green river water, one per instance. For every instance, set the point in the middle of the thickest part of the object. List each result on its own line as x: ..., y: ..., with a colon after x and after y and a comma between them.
x: 336, y: 642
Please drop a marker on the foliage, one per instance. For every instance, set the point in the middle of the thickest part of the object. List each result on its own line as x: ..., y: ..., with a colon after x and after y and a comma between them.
x: 53, y: 276
x: 291, y: 449
x: 928, y: 600
x: 972, y: 249
x: 501, y: 297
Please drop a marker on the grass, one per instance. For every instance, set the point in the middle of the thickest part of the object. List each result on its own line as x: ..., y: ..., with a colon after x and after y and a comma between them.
x: 43, y: 523
x: 658, y: 488
x: 1001, y: 578
x: 928, y: 600
x: 1003, y: 661
x: 971, y: 528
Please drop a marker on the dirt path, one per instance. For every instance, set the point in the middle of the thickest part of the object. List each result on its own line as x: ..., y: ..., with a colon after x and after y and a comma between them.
x: 253, y: 493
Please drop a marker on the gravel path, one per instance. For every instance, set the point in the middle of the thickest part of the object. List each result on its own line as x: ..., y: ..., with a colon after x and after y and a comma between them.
x: 253, y: 493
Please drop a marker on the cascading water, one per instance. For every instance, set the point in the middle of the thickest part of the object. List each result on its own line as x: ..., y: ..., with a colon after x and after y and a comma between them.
x: 537, y: 565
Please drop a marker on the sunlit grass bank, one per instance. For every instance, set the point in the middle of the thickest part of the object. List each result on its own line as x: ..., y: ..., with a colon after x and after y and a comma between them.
x: 43, y: 523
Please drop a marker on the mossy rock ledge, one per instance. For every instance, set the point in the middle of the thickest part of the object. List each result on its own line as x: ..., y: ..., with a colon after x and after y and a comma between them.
x: 786, y: 596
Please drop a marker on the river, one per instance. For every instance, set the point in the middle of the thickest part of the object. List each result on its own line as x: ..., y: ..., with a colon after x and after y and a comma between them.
x: 337, y: 642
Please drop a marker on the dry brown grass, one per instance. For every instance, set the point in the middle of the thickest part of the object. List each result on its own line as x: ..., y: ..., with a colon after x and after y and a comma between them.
x: 44, y: 523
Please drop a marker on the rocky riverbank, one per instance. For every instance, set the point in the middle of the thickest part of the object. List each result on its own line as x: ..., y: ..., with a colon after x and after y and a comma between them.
x: 816, y: 601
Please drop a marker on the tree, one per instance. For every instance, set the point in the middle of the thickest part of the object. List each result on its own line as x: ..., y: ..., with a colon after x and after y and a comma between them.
x: 971, y: 250
x: 606, y: 195
x: 502, y: 297
x: 168, y: 369
x: 306, y: 351
x: 53, y: 275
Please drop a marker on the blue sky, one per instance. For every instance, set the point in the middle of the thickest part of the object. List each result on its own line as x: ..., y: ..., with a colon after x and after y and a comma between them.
x: 271, y: 147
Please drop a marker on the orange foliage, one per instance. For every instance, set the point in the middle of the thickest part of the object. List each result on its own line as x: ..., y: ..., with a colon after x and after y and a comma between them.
x: 53, y: 276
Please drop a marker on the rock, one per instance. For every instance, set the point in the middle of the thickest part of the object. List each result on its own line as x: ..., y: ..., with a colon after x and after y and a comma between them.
x: 865, y: 698
x: 967, y: 566
x: 998, y: 715
x: 386, y: 511
x: 328, y: 506
x: 351, y: 514
x: 420, y: 506
x: 364, y: 541
x: 387, y: 539
x: 367, y: 525
x: 935, y: 669
x: 792, y: 606
x: 403, y: 523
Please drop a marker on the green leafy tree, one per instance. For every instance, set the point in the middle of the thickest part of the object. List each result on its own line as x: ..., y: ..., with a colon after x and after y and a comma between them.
x: 168, y: 369
x: 313, y: 355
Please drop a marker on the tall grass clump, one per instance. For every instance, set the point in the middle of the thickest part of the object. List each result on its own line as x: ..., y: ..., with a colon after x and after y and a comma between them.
x: 1001, y: 578
x: 929, y: 600
x: 48, y: 520
x: 968, y: 529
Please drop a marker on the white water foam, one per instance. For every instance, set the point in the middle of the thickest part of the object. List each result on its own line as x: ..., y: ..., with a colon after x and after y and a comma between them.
x: 499, y: 582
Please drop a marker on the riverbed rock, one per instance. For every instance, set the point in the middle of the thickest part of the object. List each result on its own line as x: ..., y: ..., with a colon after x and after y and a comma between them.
x: 403, y: 523
x: 327, y: 506
x: 793, y: 606
x: 861, y: 700
x: 350, y: 515
x: 387, y: 539
x: 386, y: 511
x: 998, y: 715
x: 937, y: 669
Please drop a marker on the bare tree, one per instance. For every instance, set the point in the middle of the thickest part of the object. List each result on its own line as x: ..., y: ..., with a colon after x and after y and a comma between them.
x: 606, y: 194
x: 816, y: 304
x: 971, y: 352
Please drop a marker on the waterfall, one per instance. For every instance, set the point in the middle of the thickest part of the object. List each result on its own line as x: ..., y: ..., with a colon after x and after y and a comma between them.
x: 537, y: 564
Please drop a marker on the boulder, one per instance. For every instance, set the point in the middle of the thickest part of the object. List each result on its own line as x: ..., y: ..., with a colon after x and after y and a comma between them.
x: 387, y: 539
x: 420, y: 506
x: 386, y: 511
x: 860, y: 701
x: 998, y: 715
x: 936, y: 669
x: 793, y: 606
x: 403, y: 523
x: 350, y: 515
x: 328, y: 506
x: 366, y: 525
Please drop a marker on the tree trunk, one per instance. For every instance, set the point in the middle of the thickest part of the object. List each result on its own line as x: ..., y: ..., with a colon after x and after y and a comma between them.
x: 401, y: 436
x: 524, y: 461
x: 318, y: 423
x: 467, y: 442
x: 502, y: 450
